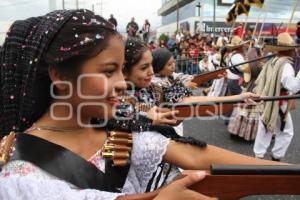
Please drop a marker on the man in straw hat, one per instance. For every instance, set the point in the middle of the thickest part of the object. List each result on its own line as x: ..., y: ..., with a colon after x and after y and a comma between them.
x: 277, y: 78
x: 236, y: 49
x: 236, y: 56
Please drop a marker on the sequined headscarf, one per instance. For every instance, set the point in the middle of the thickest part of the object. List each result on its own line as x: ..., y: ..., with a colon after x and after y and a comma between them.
x: 134, y: 49
x: 30, y: 47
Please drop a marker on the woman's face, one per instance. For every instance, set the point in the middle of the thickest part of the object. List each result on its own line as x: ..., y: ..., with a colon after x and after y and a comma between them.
x: 169, y: 68
x: 100, y: 82
x: 141, y: 74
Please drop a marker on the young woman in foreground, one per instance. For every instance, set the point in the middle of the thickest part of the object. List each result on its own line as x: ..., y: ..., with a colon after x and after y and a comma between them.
x: 58, y: 72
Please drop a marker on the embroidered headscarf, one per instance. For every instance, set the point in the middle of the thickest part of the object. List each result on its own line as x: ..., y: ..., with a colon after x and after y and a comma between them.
x: 30, y: 47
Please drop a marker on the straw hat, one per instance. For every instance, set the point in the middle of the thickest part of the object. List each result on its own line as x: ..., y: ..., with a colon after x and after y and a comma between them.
x: 246, y: 72
x: 236, y: 42
x: 284, y: 43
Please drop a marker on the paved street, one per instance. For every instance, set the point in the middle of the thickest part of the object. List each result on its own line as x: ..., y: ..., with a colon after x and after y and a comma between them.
x: 215, y: 132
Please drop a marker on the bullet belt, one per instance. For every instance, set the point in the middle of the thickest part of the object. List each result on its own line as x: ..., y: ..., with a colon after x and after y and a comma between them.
x: 117, y: 148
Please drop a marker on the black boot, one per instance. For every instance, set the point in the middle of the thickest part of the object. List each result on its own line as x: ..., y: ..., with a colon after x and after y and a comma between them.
x: 276, y: 159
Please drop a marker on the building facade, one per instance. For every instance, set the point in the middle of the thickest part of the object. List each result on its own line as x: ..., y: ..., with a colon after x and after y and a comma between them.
x: 35, y: 8
x: 198, y: 16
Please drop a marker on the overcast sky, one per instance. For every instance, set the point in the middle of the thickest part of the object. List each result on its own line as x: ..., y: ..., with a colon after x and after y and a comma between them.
x: 123, y: 10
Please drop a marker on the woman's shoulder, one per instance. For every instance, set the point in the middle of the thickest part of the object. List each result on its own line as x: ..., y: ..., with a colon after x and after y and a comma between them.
x: 23, y: 180
x: 22, y: 168
x: 148, y: 145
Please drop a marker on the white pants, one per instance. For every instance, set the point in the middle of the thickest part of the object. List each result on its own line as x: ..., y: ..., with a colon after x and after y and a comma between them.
x: 282, y: 139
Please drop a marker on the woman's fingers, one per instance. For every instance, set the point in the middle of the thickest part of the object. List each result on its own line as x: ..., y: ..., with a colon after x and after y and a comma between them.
x: 191, y: 177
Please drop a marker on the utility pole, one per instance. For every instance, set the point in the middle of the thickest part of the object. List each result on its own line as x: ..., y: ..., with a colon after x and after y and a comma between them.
x: 77, y: 4
x: 177, y: 18
x: 200, y: 18
x: 214, y: 23
x: 63, y: 4
x: 101, y: 7
x: 93, y: 7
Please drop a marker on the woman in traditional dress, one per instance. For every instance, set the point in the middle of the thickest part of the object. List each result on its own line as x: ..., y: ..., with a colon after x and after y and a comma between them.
x: 244, y: 120
x: 59, y: 71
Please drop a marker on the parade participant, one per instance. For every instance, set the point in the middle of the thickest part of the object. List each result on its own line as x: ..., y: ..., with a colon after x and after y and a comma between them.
x: 222, y: 40
x: 277, y: 78
x: 236, y: 56
x: 174, y: 86
x: 71, y: 61
x: 244, y: 120
x: 218, y: 86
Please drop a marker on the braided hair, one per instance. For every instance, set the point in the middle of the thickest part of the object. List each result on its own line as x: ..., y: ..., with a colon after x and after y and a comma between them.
x: 134, y: 50
x: 63, y: 39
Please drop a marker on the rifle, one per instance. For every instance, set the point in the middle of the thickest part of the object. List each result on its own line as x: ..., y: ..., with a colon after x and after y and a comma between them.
x: 231, y: 182
x: 207, y: 76
x: 214, y: 108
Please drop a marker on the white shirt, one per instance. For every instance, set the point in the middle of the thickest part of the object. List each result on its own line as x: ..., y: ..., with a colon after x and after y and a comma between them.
x: 288, y: 79
x: 234, y: 60
x: 209, y: 68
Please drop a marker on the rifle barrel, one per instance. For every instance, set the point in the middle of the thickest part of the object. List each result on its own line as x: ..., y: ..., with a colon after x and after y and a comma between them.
x: 205, y: 75
x: 268, y: 98
x: 255, y: 170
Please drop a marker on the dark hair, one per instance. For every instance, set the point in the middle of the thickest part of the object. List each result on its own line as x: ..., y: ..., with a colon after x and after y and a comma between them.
x: 70, y: 63
x: 77, y: 35
x: 160, y: 58
x: 134, y: 50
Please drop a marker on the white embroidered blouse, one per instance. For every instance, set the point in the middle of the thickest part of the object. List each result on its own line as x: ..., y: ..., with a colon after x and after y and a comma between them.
x: 23, y: 180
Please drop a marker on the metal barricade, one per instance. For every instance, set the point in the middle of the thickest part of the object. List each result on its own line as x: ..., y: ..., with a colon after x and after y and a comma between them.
x: 188, y: 66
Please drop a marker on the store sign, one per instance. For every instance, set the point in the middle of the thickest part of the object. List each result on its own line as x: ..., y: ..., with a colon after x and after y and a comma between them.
x: 208, y: 27
x: 269, y: 29
x: 225, y: 2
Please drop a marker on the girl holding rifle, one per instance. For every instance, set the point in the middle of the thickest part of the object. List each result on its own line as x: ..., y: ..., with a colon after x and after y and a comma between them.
x: 59, y: 71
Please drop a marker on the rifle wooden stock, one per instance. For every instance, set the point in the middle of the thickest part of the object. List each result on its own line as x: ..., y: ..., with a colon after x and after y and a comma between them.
x: 202, y: 110
x: 232, y: 186
x: 215, y: 108
x: 202, y: 78
x: 207, y: 76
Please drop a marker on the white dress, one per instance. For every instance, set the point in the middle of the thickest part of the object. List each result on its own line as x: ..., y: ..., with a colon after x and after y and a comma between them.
x: 23, y: 180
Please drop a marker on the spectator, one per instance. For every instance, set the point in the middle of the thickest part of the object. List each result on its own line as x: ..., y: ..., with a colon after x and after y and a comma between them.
x: 298, y: 33
x: 222, y: 40
x: 248, y: 35
x: 113, y: 20
x: 171, y: 44
x: 146, y: 31
x: 238, y: 31
x: 193, y: 54
x: 132, y: 28
x: 152, y: 46
x: 162, y: 43
x: 205, y: 65
x: 179, y: 36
